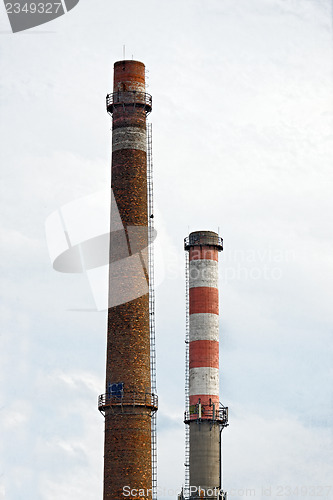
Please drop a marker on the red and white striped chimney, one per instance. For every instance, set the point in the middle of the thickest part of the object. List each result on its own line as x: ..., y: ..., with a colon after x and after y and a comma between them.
x: 204, y: 321
x: 205, y: 415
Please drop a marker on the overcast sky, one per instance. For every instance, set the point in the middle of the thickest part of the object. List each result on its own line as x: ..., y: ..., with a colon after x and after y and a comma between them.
x: 242, y: 143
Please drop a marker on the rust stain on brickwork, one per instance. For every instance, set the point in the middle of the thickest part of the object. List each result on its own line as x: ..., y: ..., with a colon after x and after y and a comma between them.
x: 129, y: 76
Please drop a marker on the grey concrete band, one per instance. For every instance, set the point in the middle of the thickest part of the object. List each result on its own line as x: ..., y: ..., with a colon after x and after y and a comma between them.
x: 203, y: 273
x: 129, y: 138
x: 204, y: 380
x: 204, y: 326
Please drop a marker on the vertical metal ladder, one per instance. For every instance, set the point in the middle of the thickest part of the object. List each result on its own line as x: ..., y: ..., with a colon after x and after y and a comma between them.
x: 187, y: 381
x: 151, y: 303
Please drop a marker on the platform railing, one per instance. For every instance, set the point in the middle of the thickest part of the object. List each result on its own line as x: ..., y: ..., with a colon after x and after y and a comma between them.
x: 130, y: 398
x: 220, y: 415
x: 125, y: 98
x: 217, y: 494
x: 221, y: 496
x: 208, y: 241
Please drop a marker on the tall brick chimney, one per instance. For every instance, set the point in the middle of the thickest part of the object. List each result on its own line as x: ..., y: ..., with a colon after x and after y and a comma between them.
x: 128, y: 403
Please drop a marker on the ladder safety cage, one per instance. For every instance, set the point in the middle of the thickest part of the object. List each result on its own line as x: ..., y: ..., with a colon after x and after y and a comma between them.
x: 151, y: 235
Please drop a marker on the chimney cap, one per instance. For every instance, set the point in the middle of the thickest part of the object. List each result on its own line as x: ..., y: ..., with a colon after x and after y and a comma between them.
x: 203, y: 238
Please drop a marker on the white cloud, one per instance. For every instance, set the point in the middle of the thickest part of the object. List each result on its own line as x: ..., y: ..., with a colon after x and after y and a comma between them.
x: 281, y: 451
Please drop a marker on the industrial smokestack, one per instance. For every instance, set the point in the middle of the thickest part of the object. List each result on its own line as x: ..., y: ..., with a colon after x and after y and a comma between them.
x: 128, y: 403
x: 205, y: 416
